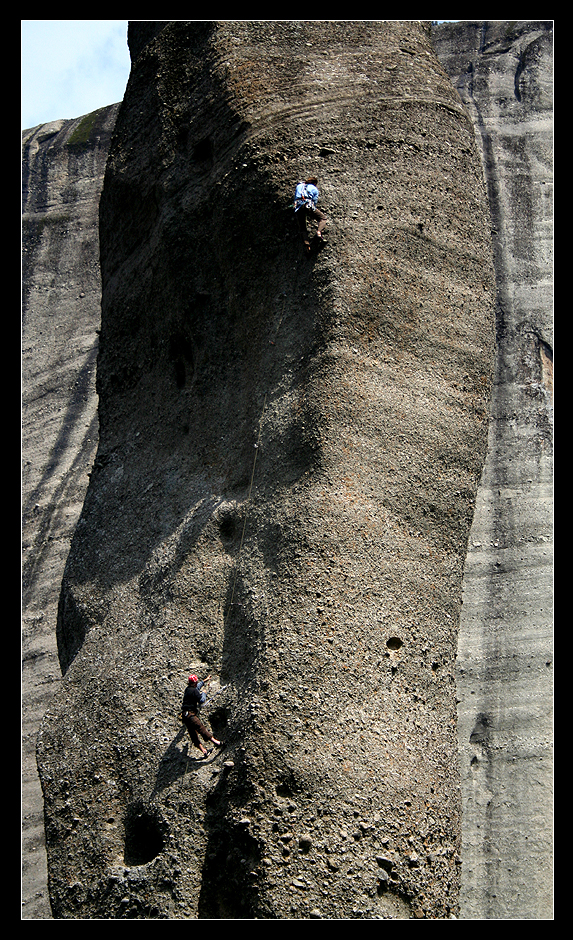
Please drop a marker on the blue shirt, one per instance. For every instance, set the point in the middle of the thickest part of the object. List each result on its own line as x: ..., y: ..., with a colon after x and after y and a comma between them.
x: 306, y: 194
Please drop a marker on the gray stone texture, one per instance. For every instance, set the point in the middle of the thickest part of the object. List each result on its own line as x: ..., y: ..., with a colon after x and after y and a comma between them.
x: 62, y: 174
x: 504, y: 74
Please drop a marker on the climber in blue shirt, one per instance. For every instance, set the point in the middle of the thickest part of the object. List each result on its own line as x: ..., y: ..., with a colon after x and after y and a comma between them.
x: 305, y: 199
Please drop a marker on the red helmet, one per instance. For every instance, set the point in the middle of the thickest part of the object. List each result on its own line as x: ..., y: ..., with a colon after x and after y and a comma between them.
x: 193, y: 679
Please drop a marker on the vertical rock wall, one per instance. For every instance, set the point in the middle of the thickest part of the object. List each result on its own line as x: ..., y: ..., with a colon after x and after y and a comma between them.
x: 319, y: 583
x: 62, y: 174
x: 504, y: 74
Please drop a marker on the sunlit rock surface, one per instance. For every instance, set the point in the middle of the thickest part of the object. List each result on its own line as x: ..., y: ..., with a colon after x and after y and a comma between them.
x: 62, y: 174
x: 504, y: 74
x: 325, y: 598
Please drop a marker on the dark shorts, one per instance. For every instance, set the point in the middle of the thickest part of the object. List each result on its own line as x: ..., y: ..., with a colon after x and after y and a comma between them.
x: 305, y: 212
x: 195, y: 727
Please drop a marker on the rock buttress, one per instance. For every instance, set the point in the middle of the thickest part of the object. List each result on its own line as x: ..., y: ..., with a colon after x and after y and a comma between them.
x: 63, y: 165
x: 289, y: 454
x: 504, y: 74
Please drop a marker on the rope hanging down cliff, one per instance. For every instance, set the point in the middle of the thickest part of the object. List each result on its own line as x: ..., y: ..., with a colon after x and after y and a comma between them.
x: 304, y: 205
x: 247, y: 503
x: 257, y: 446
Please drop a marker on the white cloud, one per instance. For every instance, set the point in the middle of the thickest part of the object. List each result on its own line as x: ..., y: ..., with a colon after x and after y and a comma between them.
x: 71, y: 67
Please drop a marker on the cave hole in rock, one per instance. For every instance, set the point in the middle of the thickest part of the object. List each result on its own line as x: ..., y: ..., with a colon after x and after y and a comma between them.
x: 394, y: 643
x: 203, y: 151
x: 287, y: 786
x: 219, y: 720
x: 227, y: 527
x: 144, y: 835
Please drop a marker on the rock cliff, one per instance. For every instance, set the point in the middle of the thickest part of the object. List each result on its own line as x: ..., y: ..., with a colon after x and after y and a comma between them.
x: 288, y: 459
x: 263, y: 563
x: 504, y: 74
x: 62, y: 174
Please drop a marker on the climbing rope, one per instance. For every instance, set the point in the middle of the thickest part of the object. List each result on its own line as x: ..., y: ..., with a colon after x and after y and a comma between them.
x: 247, y: 502
x: 272, y: 343
x: 257, y: 445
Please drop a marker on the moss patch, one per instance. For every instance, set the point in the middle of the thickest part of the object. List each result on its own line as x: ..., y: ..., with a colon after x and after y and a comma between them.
x: 81, y: 136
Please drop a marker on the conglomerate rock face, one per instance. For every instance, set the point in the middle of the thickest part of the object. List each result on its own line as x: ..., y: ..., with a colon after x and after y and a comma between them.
x: 289, y: 454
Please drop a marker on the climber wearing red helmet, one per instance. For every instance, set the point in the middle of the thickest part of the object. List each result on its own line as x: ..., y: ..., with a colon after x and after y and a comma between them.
x: 192, y: 701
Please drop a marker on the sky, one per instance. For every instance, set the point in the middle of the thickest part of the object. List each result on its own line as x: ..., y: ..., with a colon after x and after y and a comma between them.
x: 72, y: 67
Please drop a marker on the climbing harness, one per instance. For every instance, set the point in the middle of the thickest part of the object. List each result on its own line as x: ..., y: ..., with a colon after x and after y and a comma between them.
x: 303, y: 198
